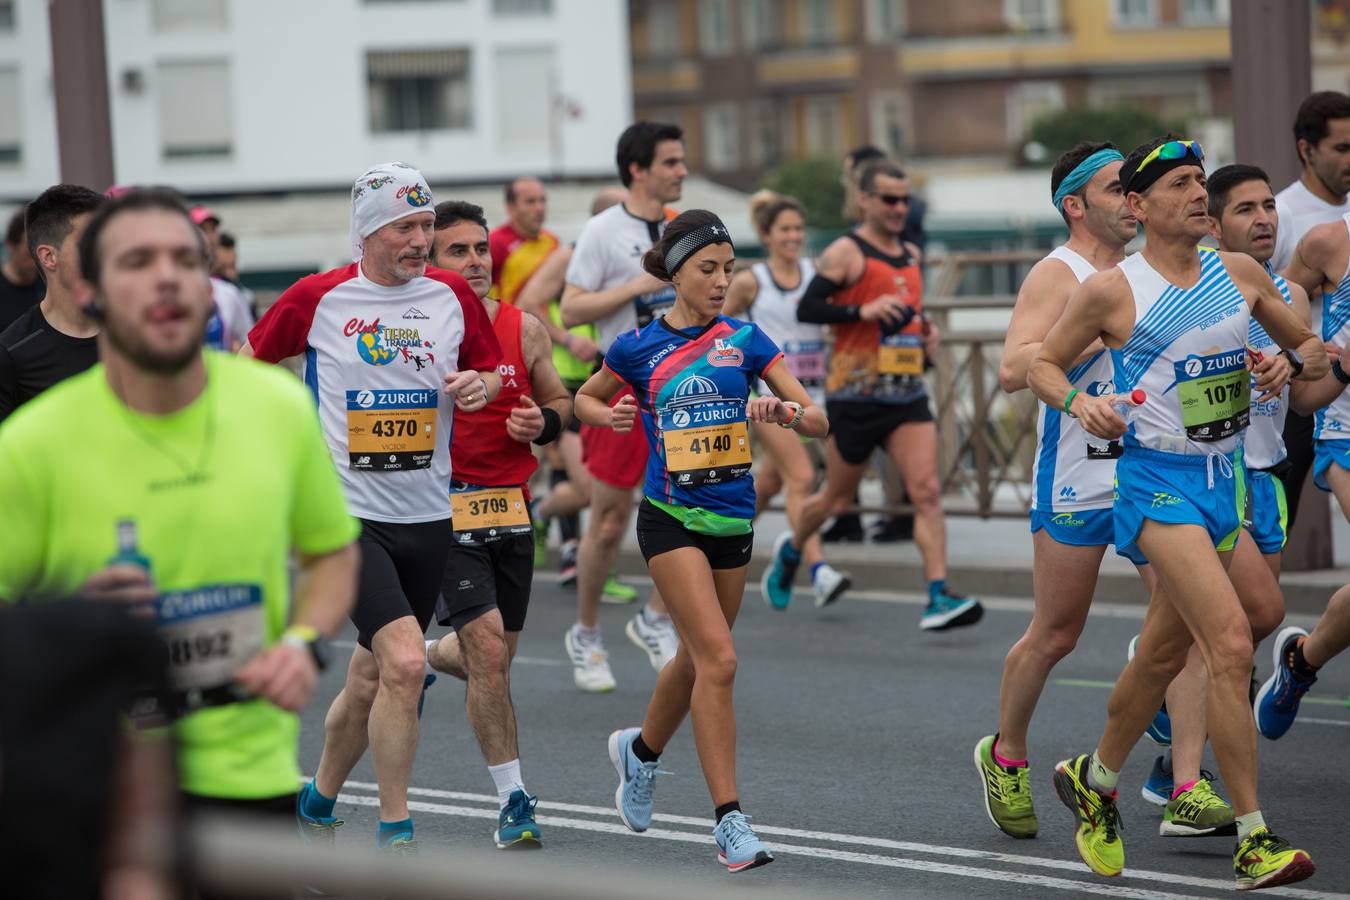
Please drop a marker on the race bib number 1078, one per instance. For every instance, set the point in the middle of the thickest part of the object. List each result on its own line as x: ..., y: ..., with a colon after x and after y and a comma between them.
x: 1215, y: 395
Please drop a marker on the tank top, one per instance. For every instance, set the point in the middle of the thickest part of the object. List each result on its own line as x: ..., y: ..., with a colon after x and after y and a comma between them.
x: 481, y: 451
x: 865, y: 364
x: 1069, y: 474
x: 802, y: 343
x: 1333, y: 423
x: 571, y: 370
x: 1187, y: 353
x: 1264, y: 446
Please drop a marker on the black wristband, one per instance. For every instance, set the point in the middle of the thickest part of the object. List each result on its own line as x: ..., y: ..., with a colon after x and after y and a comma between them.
x: 1341, y: 375
x: 552, y: 426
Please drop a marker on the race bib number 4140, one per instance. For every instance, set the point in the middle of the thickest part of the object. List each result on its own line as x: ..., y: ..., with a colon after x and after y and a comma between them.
x: 1215, y: 395
x: 391, y: 431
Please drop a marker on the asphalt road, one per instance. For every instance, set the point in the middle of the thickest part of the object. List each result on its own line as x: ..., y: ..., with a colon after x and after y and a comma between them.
x: 855, y: 739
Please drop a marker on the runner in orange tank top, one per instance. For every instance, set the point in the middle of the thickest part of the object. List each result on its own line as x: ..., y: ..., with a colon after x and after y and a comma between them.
x: 869, y: 290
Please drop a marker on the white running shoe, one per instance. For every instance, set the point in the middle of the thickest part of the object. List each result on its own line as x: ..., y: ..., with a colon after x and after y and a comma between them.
x: 590, y: 662
x: 660, y: 641
x: 830, y: 584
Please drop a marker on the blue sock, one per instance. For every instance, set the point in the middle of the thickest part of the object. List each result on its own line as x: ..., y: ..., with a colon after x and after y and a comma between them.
x: 816, y: 567
x: 390, y: 830
x: 935, y: 588
x: 316, y: 805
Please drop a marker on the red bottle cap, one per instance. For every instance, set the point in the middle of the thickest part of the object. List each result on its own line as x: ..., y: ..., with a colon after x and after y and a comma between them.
x: 1137, y: 397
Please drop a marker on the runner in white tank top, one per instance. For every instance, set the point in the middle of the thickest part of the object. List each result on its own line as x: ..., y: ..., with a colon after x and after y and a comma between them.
x: 1176, y: 320
x: 802, y: 343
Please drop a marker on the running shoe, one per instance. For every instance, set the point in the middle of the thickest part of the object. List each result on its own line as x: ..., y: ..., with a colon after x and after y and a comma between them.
x: 637, y: 780
x: 590, y: 662
x: 516, y: 828
x: 567, y: 564
x: 1158, y: 789
x: 846, y: 529
x: 950, y: 610
x: 1264, y: 860
x: 1098, y: 831
x: 1159, y: 731
x: 775, y: 586
x: 1277, y: 701
x: 829, y: 584
x: 615, y: 591
x: 403, y: 845
x: 1007, y: 792
x: 315, y: 831
x: 738, y: 847
x: 1198, y: 812
x: 659, y: 640
x: 427, y: 681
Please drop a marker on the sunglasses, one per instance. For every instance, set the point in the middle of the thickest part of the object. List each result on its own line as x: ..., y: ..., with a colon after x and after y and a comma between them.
x: 1174, y: 150
x: 893, y: 199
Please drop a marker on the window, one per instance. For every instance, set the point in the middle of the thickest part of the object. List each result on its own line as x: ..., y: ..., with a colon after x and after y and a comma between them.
x: 721, y: 143
x: 766, y: 133
x: 1029, y: 101
x: 525, y: 81
x: 890, y: 116
x: 763, y: 24
x: 1037, y: 16
x: 1134, y: 13
x: 522, y: 7
x: 663, y: 28
x: 11, y: 150
x: 194, y: 109
x: 419, y: 90
x: 714, y: 26
x: 817, y: 21
x: 6, y: 15
x: 185, y: 15
x: 822, y: 126
x: 1204, y: 12
x: 885, y: 20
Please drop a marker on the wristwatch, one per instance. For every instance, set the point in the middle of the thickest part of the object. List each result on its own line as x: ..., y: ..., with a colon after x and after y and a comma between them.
x: 1341, y: 375
x: 797, y: 415
x: 1295, y: 361
x: 307, y: 637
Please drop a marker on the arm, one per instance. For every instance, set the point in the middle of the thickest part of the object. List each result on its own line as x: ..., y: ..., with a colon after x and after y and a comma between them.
x: 1040, y: 301
x: 841, y: 265
x: 527, y: 422
x: 545, y: 286
x: 741, y: 294
x: 1286, y: 326
x: 592, y: 402
x: 786, y: 387
x: 1312, y: 257
x: 580, y: 306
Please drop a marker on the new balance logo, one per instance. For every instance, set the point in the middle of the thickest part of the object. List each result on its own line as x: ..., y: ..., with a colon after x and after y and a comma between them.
x: 363, y: 460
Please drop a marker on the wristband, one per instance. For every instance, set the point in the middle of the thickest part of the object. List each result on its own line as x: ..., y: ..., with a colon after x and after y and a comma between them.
x: 1341, y: 375
x: 1068, y: 401
x: 552, y: 426
x: 300, y: 635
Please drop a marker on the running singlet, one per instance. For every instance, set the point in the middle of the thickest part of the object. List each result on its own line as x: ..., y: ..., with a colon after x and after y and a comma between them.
x: 515, y: 258
x: 1333, y: 423
x: 609, y: 253
x: 212, y: 499
x: 864, y: 364
x: 802, y: 343
x: 1264, y: 446
x: 691, y: 391
x: 571, y: 370
x: 1071, y: 475
x: 488, y: 494
x: 376, y: 358
x: 1187, y: 353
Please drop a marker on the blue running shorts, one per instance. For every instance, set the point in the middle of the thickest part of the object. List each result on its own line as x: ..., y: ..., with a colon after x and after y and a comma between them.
x: 1325, y: 453
x: 1267, y: 516
x: 1082, y: 528
x: 1173, y: 489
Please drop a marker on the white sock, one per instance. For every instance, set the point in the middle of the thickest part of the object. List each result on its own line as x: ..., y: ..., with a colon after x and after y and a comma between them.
x: 431, y: 670
x: 507, y: 778
x: 652, y: 618
x: 1249, y: 823
x: 587, y: 632
x: 1100, y: 778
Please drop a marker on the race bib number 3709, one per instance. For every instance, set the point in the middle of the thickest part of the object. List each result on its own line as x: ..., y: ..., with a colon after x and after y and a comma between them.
x: 391, y: 431
x: 1215, y: 395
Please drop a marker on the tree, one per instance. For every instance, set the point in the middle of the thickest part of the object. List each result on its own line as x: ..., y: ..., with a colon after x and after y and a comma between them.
x: 815, y: 182
x: 1125, y: 126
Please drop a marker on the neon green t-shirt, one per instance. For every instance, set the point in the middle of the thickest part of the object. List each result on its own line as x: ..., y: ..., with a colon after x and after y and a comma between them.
x: 213, y: 498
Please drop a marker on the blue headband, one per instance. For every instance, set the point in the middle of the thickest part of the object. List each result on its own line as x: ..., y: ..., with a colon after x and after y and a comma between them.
x: 1082, y: 174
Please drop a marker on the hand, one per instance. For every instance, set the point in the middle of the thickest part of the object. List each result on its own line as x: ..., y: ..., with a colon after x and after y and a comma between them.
x: 1333, y: 352
x: 767, y: 409
x: 932, y: 337
x: 123, y: 583
x: 887, y: 309
x: 526, y: 421
x: 1272, y: 374
x: 468, y: 389
x: 622, y: 414
x: 1097, y: 417
x: 583, y: 348
x: 283, y: 674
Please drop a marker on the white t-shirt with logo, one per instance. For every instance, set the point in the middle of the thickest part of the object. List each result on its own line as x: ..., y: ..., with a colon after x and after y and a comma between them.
x: 1299, y: 210
x: 608, y: 253
x: 375, y: 358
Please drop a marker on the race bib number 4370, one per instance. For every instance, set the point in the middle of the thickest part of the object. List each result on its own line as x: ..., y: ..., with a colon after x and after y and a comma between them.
x: 391, y: 431
x: 1215, y: 395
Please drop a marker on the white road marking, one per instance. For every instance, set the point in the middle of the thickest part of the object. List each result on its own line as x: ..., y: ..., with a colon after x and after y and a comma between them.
x: 1344, y: 723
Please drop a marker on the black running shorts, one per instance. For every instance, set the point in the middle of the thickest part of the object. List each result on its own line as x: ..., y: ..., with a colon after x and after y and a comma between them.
x: 860, y: 426
x: 482, y: 577
x: 659, y: 532
x: 401, y: 569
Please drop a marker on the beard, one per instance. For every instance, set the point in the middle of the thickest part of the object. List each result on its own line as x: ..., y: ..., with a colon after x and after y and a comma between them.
x: 129, y: 343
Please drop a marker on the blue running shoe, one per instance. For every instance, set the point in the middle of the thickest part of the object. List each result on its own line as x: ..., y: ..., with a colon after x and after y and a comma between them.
x: 1277, y: 701
x: 422, y: 698
x: 776, y: 584
x: 1159, y: 731
x: 738, y: 848
x: 317, y: 831
x: 1158, y: 789
x: 637, y: 780
x: 950, y: 610
x: 516, y: 828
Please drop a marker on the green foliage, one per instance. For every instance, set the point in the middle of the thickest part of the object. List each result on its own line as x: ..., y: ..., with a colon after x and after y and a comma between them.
x: 815, y: 182
x: 1125, y: 126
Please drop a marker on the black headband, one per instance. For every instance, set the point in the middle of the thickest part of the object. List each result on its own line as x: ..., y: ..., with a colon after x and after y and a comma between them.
x: 1140, y: 181
x: 712, y: 233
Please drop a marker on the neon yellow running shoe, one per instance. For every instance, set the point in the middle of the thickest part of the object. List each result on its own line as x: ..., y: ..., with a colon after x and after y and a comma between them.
x: 1007, y: 792
x: 615, y: 591
x: 1197, y: 812
x: 1099, y: 826
x: 1264, y: 860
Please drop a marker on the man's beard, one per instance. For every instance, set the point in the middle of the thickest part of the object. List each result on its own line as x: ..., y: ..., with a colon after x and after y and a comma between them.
x: 130, y: 345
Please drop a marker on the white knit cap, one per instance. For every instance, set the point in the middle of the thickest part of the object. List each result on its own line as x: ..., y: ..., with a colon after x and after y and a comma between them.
x: 384, y: 194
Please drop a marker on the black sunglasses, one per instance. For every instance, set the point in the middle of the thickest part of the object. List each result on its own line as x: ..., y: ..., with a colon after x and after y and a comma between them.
x: 893, y: 199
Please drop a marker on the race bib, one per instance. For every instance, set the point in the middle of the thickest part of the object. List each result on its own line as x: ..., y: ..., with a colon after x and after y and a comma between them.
x: 211, y: 633
x: 708, y: 444
x: 483, y: 515
x: 1215, y: 395
x: 391, y: 431
x: 901, y: 355
x: 806, y: 361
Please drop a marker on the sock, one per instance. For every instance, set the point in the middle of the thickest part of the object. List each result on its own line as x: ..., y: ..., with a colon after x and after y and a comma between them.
x: 721, y: 811
x: 390, y: 830
x: 1100, y: 778
x: 652, y: 618
x: 815, y: 569
x: 431, y: 670
x: 587, y: 632
x: 1305, y: 670
x: 936, y: 587
x: 1005, y: 762
x: 507, y: 779
x: 1249, y: 823
x: 643, y: 752
x: 1183, y: 788
x: 316, y: 805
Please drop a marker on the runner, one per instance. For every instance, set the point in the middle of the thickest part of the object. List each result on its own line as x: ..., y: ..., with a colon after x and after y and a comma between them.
x: 520, y: 246
x: 1071, y: 521
x: 21, y: 287
x: 486, y: 589
x: 695, y: 526
x: 182, y: 512
x: 383, y: 338
x: 55, y: 339
x: 758, y: 293
x: 1179, y: 481
x: 606, y: 285
x: 874, y: 390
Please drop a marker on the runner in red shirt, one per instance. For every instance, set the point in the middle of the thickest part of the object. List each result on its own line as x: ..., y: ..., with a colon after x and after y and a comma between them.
x: 520, y: 246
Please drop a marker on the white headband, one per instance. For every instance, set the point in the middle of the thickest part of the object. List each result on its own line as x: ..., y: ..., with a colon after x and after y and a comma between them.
x: 385, y: 194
